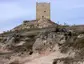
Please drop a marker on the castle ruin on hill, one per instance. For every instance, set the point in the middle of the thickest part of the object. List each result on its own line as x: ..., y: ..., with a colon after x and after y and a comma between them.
x: 42, y: 18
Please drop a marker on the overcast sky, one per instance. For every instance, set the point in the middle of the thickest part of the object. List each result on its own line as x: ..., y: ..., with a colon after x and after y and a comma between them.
x: 13, y: 12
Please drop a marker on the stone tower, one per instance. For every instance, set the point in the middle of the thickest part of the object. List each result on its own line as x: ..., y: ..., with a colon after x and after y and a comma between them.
x: 42, y: 10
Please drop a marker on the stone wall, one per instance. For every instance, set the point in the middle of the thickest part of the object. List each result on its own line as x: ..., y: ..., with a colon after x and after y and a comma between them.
x: 32, y: 24
x: 42, y: 10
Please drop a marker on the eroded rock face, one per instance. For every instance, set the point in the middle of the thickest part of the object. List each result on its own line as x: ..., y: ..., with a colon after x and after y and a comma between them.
x: 48, y: 40
x: 67, y: 61
x: 18, y: 46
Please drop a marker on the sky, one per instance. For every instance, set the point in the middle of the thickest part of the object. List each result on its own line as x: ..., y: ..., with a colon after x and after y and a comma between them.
x: 14, y: 12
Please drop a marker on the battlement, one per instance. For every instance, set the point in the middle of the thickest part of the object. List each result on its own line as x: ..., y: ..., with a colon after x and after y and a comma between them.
x: 42, y: 2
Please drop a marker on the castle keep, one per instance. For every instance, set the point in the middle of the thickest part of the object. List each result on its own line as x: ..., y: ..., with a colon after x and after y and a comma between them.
x: 42, y: 18
x: 42, y: 10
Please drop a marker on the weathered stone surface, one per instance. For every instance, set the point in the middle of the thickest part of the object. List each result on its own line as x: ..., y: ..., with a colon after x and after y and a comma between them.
x: 42, y: 10
x: 48, y: 40
x: 41, y: 23
x: 41, y: 37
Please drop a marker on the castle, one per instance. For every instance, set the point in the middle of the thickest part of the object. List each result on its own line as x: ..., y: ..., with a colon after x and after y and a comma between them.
x: 42, y: 10
x: 42, y: 18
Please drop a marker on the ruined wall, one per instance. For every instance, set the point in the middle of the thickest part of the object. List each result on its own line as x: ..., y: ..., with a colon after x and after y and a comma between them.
x: 42, y: 10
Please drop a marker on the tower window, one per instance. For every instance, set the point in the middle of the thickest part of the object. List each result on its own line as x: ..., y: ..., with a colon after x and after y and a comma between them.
x: 44, y: 11
x: 42, y: 16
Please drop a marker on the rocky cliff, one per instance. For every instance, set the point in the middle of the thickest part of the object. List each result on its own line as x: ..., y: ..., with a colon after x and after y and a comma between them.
x: 41, y: 42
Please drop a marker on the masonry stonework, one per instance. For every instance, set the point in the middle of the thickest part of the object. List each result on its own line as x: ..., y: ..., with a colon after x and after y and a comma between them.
x: 42, y: 10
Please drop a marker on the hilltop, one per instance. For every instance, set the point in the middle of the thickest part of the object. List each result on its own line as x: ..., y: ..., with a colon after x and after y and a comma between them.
x: 42, y: 41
